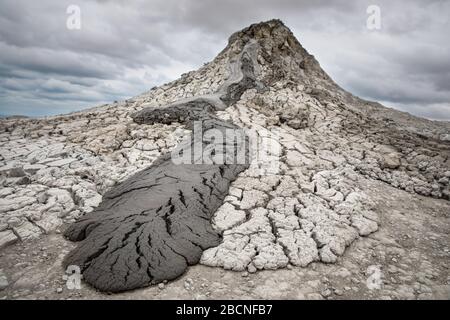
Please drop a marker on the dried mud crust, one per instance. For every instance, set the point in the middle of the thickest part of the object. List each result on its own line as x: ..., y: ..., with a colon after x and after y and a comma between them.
x: 411, y: 250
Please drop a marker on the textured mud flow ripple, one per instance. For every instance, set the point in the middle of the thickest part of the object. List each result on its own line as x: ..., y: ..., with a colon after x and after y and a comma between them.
x: 155, y: 224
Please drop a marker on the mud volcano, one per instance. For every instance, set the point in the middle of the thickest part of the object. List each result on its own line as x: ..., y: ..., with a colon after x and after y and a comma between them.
x: 155, y: 221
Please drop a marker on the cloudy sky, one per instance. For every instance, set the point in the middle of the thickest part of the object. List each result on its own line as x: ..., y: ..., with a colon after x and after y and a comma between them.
x: 126, y: 47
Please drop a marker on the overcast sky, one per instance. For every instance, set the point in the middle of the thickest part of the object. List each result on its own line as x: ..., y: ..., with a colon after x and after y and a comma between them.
x: 126, y: 47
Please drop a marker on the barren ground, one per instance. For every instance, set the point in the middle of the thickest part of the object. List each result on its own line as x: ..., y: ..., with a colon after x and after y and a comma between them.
x: 411, y: 248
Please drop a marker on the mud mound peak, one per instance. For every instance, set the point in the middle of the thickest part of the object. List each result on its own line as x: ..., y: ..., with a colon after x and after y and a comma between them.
x: 263, y: 30
x: 280, y: 52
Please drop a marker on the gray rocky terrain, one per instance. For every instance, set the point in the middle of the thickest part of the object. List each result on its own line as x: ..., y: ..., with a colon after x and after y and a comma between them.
x: 351, y: 199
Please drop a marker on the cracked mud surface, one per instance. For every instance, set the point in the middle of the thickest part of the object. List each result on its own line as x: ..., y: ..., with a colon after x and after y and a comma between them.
x: 411, y: 249
x: 357, y: 187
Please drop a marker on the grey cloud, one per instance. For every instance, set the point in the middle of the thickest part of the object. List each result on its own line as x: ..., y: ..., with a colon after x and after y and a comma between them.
x: 126, y: 47
x: 48, y: 61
